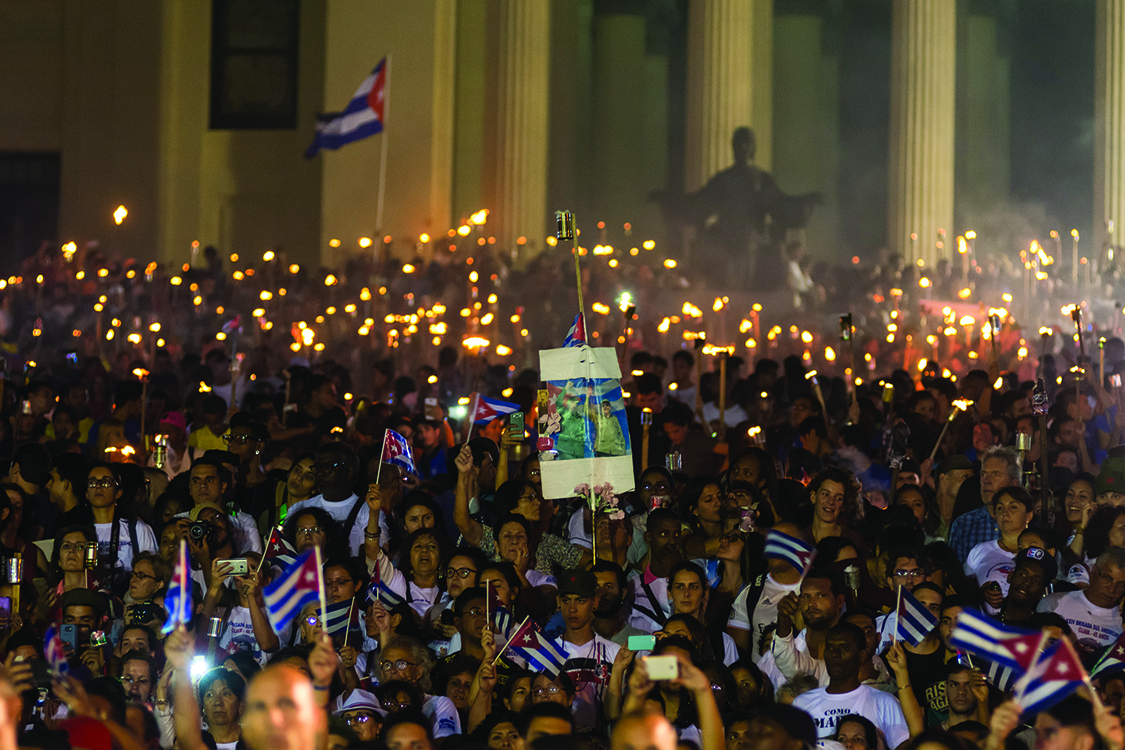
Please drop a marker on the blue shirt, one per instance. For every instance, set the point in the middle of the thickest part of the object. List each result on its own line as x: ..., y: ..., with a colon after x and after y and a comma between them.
x: 973, y: 528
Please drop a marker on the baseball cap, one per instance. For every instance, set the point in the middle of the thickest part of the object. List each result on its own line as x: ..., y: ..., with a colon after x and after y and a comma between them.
x: 1045, y: 560
x: 175, y: 419
x: 1111, y: 478
x: 954, y: 463
x: 84, y: 598
x: 578, y: 583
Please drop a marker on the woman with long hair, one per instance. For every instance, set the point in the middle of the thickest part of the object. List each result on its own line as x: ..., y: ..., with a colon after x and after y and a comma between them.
x: 312, y: 526
x: 836, y: 510
x: 757, y: 467
x: 299, y: 485
x: 701, y: 507
x: 1106, y: 528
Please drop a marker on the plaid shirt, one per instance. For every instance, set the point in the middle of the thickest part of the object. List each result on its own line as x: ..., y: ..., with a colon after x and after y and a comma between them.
x: 971, y: 529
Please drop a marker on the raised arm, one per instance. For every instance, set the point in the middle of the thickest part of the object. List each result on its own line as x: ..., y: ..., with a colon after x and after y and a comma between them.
x: 471, y: 529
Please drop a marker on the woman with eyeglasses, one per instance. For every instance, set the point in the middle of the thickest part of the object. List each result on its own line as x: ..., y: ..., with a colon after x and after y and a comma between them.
x: 462, y: 572
x: 144, y: 601
x: 559, y: 690
x: 312, y: 527
x: 67, y: 569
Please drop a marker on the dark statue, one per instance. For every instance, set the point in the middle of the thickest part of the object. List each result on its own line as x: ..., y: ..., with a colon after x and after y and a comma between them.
x: 741, y: 215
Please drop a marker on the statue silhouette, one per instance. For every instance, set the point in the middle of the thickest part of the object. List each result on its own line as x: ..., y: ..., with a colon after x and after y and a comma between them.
x: 741, y: 216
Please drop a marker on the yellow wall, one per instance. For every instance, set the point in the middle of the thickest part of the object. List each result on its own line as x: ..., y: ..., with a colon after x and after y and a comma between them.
x: 419, y: 35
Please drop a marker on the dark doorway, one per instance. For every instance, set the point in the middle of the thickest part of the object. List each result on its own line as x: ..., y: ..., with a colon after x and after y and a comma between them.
x: 29, y: 205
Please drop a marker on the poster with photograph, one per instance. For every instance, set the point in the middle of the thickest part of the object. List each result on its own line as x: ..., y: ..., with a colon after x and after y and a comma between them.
x: 584, y: 435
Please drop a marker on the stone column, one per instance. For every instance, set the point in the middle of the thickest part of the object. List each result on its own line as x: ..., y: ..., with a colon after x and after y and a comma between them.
x: 523, y: 117
x: 923, y: 70
x: 1109, y: 125
x: 720, y: 92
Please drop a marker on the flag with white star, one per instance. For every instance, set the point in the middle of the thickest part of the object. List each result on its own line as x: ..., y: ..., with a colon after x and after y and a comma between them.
x: 293, y: 589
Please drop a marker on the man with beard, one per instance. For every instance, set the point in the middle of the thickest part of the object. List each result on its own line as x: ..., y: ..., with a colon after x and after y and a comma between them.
x: 820, y: 604
x: 611, y: 617
x: 589, y: 656
x: 844, y: 647
x: 651, y: 607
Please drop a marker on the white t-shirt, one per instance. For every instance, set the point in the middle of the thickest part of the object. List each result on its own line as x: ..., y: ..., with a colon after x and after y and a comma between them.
x: 1094, y: 627
x: 443, y: 715
x: 769, y: 666
x: 765, y: 613
x: 583, y: 664
x: 146, y: 540
x: 339, y: 512
x: 639, y: 619
x: 988, y: 562
x: 882, y: 709
x: 238, y: 635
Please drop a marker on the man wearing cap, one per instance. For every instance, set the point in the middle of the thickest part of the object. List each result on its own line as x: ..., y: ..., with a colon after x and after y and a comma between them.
x: 951, y: 474
x: 1109, y: 488
x: 1027, y: 583
x: 589, y: 656
x: 781, y: 727
x: 362, y: 713
x: 1094, y: 614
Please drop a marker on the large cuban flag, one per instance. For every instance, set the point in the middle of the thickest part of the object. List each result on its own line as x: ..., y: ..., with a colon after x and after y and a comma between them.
x: 362, y: 117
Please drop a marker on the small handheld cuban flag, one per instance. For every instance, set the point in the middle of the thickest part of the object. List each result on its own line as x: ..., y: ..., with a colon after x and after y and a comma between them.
x: 1113, y: 660
x: 278, y: 551
x: 1054, y: 676
x: 1003, y: 644
x: 913, y: 621
x: 296, y: 587
x: 541, y: 653
x: 340, y: 617
x: 177, y: 602
x: 576, y: 336
x: 377, y: 591
x: 781, y: 546
x: 396, y: 451
x: 362, y: 117
x: 54, y: 651
x: 486, y: 409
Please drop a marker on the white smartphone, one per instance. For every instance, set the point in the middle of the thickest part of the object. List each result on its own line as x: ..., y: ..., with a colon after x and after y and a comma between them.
x: 662, y: 667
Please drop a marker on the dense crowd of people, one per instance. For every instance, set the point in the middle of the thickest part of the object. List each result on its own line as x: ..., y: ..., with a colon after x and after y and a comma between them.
x: 673, y: 626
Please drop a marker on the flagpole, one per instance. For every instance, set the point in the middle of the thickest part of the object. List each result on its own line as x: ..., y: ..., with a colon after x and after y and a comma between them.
x: 383, y: 158
x: 505, y: 647
x: 262, y: 561
x: 487, y: 598
x: 320, y: 589
x: 898, y: 606
x: 382, y: 452
x: 1021, y: 684
x: 348, y: 622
